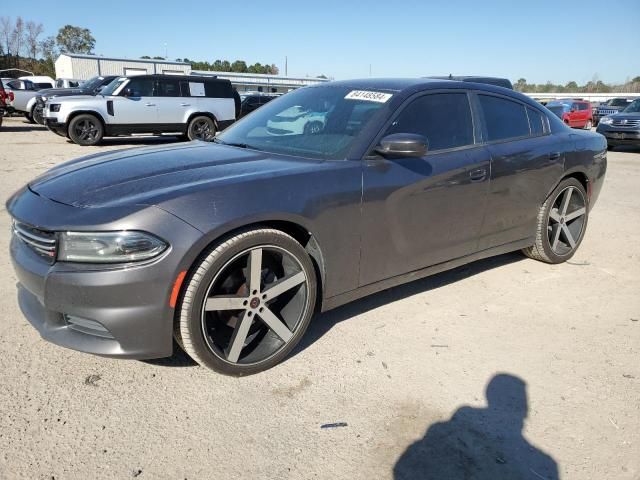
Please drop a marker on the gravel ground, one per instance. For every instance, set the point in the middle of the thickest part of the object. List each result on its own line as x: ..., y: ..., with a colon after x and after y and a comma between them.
x: 402, y: 374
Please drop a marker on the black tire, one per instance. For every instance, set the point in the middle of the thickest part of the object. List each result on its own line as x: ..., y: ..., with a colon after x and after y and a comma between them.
x: 85, y: 130
x: 558, y: 228
x: 201, y: 128
x: 29, y: 117
x: 610, y: 146
x: 37, y: 115
x: 197, y: 326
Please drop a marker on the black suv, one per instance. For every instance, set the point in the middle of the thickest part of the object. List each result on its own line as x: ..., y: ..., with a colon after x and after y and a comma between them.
x: 90, y: 87
x: 622, y: 128
x: 610, y: 107
x: 253, y: 102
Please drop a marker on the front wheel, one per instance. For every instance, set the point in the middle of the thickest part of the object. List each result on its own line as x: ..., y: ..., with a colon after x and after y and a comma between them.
x: 588, y: 125
x: 85, y: 130
x: 562, y: 222
x: 247, y: 303
x: 201, y: 128
x: 29, y: 117
x: 38, y: 115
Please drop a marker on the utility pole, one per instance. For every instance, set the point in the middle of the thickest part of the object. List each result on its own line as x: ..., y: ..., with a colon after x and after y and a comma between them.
x: 369, y: 69
x: 166, y: 51
x: 286, y: 66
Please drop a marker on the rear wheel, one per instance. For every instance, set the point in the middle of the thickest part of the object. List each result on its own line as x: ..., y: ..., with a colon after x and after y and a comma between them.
x: 85, y: 130
x: 562, y: 222
x: 247, y: 303
x: 201, y: 128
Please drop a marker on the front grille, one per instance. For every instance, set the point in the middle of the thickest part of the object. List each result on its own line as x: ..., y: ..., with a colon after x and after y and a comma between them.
x: 40, y: 241
x: 626, y: 123
x: 607, y: 111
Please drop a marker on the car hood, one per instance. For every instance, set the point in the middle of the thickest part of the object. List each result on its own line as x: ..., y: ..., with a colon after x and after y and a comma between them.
x: 59, y: 92
x: 626, y: 115
x: 148, y: 176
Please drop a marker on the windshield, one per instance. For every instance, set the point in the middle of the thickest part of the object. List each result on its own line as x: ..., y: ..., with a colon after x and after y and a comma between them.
x: 558, y: 108
x: 109, y: 89
x: 92, y: 83
x: 314, y: 122
x: 634, y: 107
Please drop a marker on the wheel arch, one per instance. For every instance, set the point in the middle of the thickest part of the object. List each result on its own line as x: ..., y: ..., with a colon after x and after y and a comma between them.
x: 201, y: 114
x: 296, y: 229
x: 74, y: 114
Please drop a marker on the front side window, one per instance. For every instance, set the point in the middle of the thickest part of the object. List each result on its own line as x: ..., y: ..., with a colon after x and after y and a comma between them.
x: 141, y: 87
x: 312, y: 122
x: 113, y: 86
x: 444, y: 119
x: 503, y: 118
x: 634, y: 107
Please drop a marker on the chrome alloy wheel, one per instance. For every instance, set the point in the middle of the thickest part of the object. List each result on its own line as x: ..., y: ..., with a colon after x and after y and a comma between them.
x: 254, y: 305
x: 566, y: 221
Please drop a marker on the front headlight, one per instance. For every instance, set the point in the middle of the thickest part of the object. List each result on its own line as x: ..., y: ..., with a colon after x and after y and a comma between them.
x: 43, y: 98
x: 54, y: 107
x: 606, y: 120
x: 109, y: 247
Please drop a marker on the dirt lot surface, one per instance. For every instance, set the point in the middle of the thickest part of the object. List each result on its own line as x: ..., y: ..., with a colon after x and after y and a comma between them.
x: 402, y: 374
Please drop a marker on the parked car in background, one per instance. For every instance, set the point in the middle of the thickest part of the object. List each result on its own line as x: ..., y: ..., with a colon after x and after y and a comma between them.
x: 4, y: 100
x: 575, y: 113
x: 612, y: 106
x: 68, y: 83
x: 25, y: 90
x: 622, y: 128
x: 90, y: 87
x: 195, y: 107
x: 231, y: 247
x: 253, y: 102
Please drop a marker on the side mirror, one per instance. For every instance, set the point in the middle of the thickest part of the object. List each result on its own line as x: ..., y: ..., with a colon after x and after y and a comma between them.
x: 573, y: 109
x: 99, y: 89
x: 127, y: 92
x: 402, y: 145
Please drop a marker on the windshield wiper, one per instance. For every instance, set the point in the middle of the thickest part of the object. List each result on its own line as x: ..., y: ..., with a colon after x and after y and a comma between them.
x: 231, y: 144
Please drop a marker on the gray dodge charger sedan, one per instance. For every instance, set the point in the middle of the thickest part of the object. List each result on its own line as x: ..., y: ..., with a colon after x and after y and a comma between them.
x: 322, y: 196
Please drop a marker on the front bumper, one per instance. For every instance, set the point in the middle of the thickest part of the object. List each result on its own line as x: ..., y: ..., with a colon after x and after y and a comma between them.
x: 56, y: 127
x: 113, y: 311
x: 619, y: 135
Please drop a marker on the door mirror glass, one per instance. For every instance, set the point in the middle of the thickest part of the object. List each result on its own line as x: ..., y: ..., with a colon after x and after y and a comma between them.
x: 402, y: 145
x: 127, y: 92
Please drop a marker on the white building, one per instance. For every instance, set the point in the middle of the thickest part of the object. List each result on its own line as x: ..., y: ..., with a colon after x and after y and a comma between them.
x: 255, y: 82
x: 83, y: 67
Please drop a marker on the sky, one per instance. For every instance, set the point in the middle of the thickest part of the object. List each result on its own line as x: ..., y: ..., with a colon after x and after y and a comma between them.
x: 540, y: 41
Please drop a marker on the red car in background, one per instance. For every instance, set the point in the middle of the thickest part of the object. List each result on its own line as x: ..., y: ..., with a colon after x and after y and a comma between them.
x: 575, y: 113
x: 5, y: 98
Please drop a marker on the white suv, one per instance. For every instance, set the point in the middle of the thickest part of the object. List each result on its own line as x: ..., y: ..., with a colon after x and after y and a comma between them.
x: 195, y: 107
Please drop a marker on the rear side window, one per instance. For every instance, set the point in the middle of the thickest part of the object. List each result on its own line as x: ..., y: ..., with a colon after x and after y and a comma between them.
x: 168, y: 88
x: 444, y: 119
x: 583, y: 106
x: 536, y: 122
x: 503, y: 118
x: 217, y: 89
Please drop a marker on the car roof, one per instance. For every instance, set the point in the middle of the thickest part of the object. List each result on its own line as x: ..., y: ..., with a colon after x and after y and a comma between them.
x: 178, y: 77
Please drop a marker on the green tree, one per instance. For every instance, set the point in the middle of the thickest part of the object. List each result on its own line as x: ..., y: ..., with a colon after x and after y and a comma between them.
x: 239, y: 66
x: 72, y: 39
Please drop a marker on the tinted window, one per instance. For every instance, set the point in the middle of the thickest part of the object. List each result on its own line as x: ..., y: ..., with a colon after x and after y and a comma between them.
x: 504, y: 118
x: 217, y: 89
x: 444, y: 119
x: 141, y: 87
x: 536, y: 122
x: 168, y: 88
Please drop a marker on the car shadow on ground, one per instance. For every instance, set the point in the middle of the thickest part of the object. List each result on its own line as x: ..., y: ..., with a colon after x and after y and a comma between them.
x: 627, y: 149
x: 480, y: 443
x: 325, y: 321
x: 24, y: 127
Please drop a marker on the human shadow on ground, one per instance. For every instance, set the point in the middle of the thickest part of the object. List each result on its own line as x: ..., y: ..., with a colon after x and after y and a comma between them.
x: 480, y: 443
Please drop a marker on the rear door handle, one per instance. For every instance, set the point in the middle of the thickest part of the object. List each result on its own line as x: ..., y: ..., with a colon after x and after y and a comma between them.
x: 185, y: 104
x: 478, y: 175
x: 150, y: 104
x: 554, y: 156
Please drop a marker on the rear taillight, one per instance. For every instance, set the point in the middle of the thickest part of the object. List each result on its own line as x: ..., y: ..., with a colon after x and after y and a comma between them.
x: 11, y: 96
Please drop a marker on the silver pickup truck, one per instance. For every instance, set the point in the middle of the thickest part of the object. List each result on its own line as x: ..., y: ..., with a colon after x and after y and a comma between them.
x: 25, y: 91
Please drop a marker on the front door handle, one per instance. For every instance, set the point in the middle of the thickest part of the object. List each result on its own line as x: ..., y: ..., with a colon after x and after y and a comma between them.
x: 185, y: 104
x: 554, y: 156
x: 478, y: 175
x: 150, y: 104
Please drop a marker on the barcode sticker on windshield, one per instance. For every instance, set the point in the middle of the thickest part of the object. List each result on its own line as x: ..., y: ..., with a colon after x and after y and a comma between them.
x: 368, y: 96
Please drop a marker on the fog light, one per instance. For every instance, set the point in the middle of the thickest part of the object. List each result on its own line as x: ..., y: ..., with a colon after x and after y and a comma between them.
x: 86, y: 325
